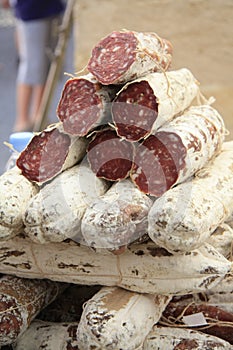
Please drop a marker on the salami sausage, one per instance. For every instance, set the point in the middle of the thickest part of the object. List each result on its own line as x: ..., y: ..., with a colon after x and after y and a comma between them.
x: 109, y: 156
x: 115, y: 318
x: 84, y: 104
x: 175, y: 338
x: 16, y: 191
x: 144, y: 268
x: 222, y: 294
x: 117, y: 218
x: 49, y: 336
x: 217, y: 322
x: 20, y: 301
x: 222, y: 240
x: 125, y: 55
x: 178, y: 150
x: 49, y: 153
x: 55, y: 213
x: 145, y: 104
x: 185, y: 216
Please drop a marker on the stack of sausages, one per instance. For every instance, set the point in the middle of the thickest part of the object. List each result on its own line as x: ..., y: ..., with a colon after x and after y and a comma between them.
x: 129, y: 195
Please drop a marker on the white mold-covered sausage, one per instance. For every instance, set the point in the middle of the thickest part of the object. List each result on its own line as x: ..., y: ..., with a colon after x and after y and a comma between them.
x: 178, y: 150
x: 15, y: 192
x: 117, y: 319
x: 124, y: 55
x: 222, y: 294
x: 49, y: 336
x: 55, y: 213
x: 117, y: 218
x: 143, y: 268
x: 222, y: 240
x: 145, y: 104
x: 20, y: 301
x: 185, y: 216
x: 175, y: 338
x: 84, y: 104
x: 50, y: 152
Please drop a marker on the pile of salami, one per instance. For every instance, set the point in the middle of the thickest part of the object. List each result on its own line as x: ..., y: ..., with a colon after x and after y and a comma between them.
x: 116, y: 225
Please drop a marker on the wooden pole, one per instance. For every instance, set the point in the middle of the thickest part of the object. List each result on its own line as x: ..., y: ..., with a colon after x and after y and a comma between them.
x: 55, y: 68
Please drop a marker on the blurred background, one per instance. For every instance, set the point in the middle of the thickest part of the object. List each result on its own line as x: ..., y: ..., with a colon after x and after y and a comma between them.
x: 200, y: 31
x: 8, y: 73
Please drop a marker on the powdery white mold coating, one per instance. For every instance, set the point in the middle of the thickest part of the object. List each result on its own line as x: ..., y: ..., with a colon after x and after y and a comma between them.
x: 222, y: 240
x: 48, y: 336
x: 142, y: 268
x: 16, y: 191
x: 185, y: 216
x: 125, y: 55
x: 55, y: 213
x: 84, y: 104
x: 174, y: 338
x: 145, y: 104
x: 117, y: 319
x: 20, y: 301
x: 117, y: 218
x: 50, y: 152
x: 178, y: 150
x: 222, y: 294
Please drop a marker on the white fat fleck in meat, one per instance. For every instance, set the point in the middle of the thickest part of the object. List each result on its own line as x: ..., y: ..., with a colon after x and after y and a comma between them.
x: 124, y: 66
x: 129, y: 100
x: 116, y: 48
x: 27, y: 166
x: 144, y: 123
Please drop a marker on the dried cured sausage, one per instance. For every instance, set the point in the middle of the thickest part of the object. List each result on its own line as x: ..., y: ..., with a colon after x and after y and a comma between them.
x: 144, y: 268
x: 178, y: 150
x: 16, y: 191
x: 125, y: 55
x: 20, y: 301
x: 109, y: 156
x: 145, y: 104
x: 49, y: 153
x: 186, y: 215
x: 117, y: 218
x: 115, y: 318
x: 175, y: 338
x: 84, y: 104
x: 218, y: 322
x: 55, y: 213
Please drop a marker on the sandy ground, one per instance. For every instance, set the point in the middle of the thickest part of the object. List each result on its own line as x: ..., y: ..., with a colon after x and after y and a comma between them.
x: 200, y: 31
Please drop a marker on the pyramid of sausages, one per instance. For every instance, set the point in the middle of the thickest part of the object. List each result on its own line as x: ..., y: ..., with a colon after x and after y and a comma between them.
x: 131, y: 191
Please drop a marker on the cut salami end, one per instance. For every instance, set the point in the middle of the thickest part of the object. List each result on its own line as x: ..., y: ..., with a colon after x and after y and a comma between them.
x: 84, y: 104
x: 142, y: 106
x: 44, y: 156
x: 134, y: 111
x: 49, y: 153
x: 157, y: 163
x: 109, y: 156
x: 125, y: 55
x: 178, y: 150
x: 80, y: 106
x: 112, y: 56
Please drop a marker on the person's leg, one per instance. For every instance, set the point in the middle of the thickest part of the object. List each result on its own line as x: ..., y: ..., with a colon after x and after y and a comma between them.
x: 48, y: 42
x: 23, y: 99
x: 23, y: 90
x: 33, y: 69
